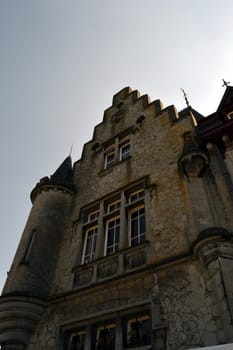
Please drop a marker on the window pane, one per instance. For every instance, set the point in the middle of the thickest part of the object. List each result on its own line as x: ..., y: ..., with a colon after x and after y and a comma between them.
x: 134, y: 228
x: 125, y: 151
x: 137, y: 226
x: 109, y: 160
x: 136, y: 195
x: 114, y: 206
x: 142, y: 224
x: 113, y: 235
x: 77, y: 341
x: 105, y: 337
x: 90, y: 245
x: 138, y: 331
x: 110, y: 237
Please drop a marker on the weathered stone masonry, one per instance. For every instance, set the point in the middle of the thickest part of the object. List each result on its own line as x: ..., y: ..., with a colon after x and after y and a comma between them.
x: 132, y: 246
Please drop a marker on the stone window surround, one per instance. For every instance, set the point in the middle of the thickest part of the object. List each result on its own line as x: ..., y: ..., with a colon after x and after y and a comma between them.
x: 123, y: 212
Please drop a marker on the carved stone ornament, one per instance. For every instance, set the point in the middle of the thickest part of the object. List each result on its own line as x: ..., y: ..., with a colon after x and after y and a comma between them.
x: 193, y: 161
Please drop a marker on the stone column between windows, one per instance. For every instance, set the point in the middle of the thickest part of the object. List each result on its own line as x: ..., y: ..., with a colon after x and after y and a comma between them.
x: 116, y: 148
x: 119, y: 334
x: 123, y: 223
x: 78, y: 232
x: 100, y: 233
x: 88, y: 338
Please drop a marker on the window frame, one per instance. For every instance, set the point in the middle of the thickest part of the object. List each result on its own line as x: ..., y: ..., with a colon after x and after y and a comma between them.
x: 140, y: 237
x: 131, y: 320
x: 137, y: 194
x: 122, y: 145
x: 102, y: 327
x: 94, y: 213
x: 73, y: 334
x: 93, y: 244
x: 115, y: 206
x: 109, y: 153
x: 115, y: 244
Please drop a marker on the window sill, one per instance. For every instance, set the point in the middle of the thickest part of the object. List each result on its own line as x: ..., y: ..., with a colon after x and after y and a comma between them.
x: 112, y: 266
x: 106, y: 171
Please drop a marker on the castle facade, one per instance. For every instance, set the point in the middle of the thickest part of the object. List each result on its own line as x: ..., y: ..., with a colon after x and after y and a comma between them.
x: 130, y: 247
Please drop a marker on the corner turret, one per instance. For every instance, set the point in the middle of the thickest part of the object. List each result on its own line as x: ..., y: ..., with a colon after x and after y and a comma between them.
x: 61, y: 178
x: 30, y: 279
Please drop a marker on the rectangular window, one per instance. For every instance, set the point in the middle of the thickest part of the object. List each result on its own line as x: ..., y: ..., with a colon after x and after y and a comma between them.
x: 76, y: 341
x: 109, y: 159
x: 112, y: 235
x: 138, y: 331
x: 89, y: 245
x: 114, y: 206
x: 105, y: 337
x: 137, y: 226
x: 124, y: 150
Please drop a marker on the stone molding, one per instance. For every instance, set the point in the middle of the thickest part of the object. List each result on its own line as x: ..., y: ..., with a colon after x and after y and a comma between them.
x: 19, y: 317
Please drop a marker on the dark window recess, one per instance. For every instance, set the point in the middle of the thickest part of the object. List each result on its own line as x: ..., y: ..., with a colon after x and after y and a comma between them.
x: 76, y: 341
x: 138, y: 331
x: 106, y: 338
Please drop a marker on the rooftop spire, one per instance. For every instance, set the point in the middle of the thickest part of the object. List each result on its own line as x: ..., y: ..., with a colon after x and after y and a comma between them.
x: 186, y: 98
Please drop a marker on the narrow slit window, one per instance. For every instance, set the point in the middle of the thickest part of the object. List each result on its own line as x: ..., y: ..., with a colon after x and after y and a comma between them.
x: 29, y: 248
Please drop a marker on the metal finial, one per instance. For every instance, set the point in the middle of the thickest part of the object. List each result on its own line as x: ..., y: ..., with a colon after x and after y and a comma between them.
x: 71, y: 148
x: 186, y: 98
x: 225, y: 83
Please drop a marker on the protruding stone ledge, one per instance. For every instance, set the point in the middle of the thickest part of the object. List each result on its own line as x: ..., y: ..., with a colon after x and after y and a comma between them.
x: 212, y: 243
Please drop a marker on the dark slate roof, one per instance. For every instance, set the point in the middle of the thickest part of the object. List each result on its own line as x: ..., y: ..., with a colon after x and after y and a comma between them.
x: 227, y: 99
x: 63, y: 172
x: 186, y: 111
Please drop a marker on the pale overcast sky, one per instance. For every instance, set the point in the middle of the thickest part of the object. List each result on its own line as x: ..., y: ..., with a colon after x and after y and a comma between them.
x: 61, y: 61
